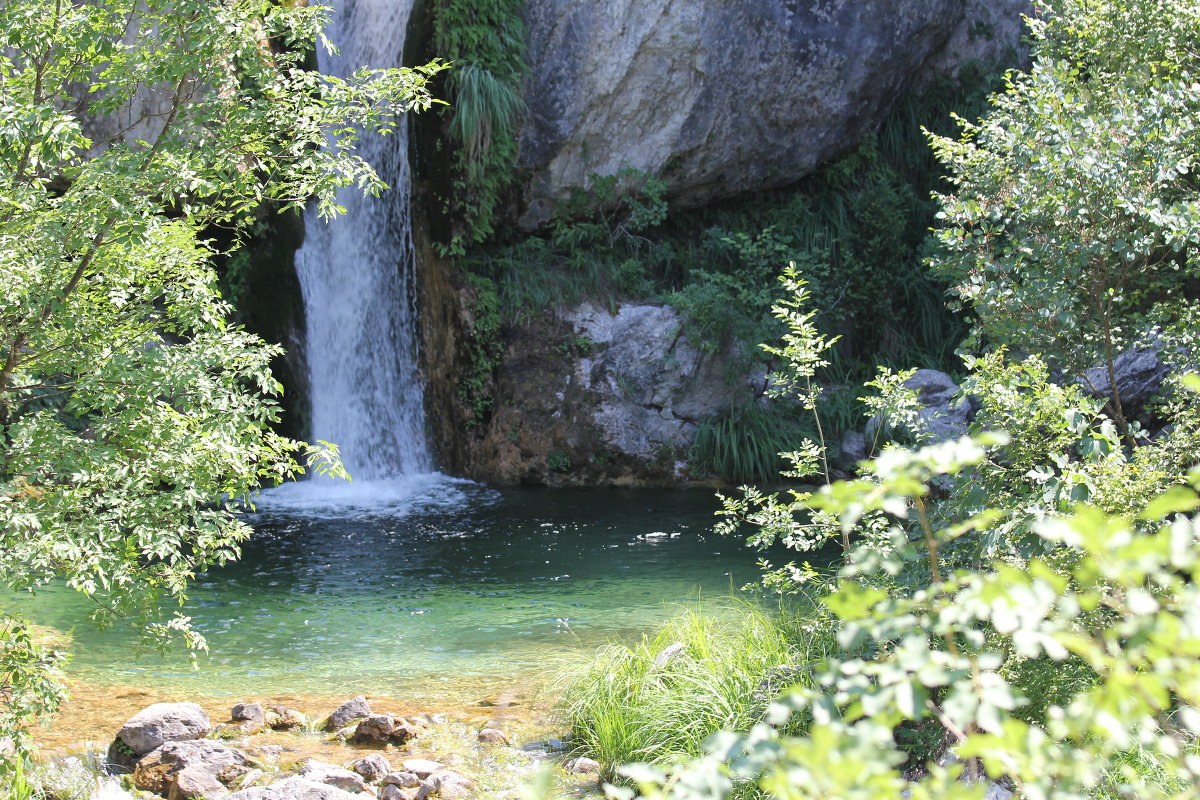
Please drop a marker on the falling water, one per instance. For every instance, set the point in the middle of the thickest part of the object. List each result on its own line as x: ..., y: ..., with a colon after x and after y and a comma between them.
x: 357, y: 274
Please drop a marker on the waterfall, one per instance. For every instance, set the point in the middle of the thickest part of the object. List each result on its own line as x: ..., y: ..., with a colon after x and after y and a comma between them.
x: 358, y: 274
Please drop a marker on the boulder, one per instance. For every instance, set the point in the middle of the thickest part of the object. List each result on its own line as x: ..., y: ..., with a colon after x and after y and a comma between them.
x: 372, y: 768
x: 331, y: 775
x: 944, y: 417
x: 721, y: 97
x: 163, y: 722
x: 293, y: 788
x: 347, y: 712
x: 1139, y: 372
x: 160, y: 770
x: 249, y: 712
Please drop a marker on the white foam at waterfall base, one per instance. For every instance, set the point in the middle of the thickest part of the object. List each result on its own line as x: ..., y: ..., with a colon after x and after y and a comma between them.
x: 357, y: 275
x: 395, y: 497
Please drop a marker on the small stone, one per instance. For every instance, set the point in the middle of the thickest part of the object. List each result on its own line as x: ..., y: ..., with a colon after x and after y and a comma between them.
x: 375, y: 729
x: 393, y: 792
x: 582, y: 766
x: 281, y: 718
x: 451, y: 785
x: 372, y: 768
x: 406, y: 780
x: 492, y: 736
x: 331, y: 775
x: 422, y: 767
x: 422, y: 724
x: 669, y: 653
x: 193, y: 783
x: 425, y: 789
x: 250, y: 778
x: 249, y: 712
x: 347, y: 712
x: 402, y: 732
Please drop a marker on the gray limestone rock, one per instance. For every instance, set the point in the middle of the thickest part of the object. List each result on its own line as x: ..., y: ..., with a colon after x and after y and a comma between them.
x: 718, y: 97
x: 405, y: 780
x: 651, y: 387
x: 163, y: 722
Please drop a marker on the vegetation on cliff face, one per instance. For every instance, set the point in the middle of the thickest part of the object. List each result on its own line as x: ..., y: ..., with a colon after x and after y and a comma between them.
x: 1021, y: 605
x: 133, y: 416
x: 485, y: 43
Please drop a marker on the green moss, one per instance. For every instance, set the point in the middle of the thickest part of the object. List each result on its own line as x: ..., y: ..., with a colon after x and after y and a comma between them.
x: 483, y: 350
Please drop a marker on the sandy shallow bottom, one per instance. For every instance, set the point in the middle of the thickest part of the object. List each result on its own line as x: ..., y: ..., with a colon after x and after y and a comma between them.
x: 94, y: 714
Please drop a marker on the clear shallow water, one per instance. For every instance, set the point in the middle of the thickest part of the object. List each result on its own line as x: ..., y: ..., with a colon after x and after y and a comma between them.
x: 435, y: 581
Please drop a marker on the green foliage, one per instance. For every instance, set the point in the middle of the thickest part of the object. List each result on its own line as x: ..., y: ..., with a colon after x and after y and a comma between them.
x: 744, y: 445
x: 623, y: 706
x: 558, y: 461
x: 1113, y: 598
x: 134, y: 419
x: 31, y: 681
x: 485, y: 40
x: 483, y: 348
x: 1075, y: 207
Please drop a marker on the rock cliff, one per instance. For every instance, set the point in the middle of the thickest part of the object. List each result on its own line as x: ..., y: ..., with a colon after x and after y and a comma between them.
x: 721, y: 97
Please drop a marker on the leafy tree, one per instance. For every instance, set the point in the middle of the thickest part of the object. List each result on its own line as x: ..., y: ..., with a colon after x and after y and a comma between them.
x: 1073, y: 223
x: 133, y: 416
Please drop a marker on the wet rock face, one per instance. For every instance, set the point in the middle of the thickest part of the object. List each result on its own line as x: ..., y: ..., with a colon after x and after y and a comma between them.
x: 719, y: 97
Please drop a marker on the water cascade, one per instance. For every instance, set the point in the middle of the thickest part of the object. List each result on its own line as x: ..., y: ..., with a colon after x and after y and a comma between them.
x: 357, y: 274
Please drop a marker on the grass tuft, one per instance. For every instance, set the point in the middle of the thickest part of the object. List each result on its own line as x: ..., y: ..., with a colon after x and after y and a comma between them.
x: 622, y: 707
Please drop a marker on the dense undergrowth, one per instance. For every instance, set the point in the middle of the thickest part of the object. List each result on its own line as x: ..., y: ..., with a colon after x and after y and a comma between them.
x: 1016, y: 609
x: 857, y: 230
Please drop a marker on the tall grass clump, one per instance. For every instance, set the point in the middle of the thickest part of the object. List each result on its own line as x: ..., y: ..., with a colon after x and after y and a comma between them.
x: 640, y: 703
x: 744, y: 445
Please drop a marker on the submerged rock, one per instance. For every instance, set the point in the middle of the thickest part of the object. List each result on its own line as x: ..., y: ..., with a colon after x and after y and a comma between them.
x: 281, y: 718
x: 491, y: 736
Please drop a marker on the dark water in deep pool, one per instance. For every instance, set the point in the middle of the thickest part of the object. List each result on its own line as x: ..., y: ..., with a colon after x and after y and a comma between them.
x: 442, y: 582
